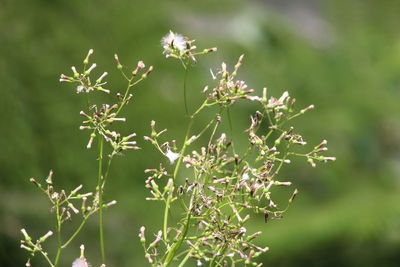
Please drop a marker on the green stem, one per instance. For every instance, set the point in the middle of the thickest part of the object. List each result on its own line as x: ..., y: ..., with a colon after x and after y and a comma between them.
x: 215, y: 257
x: 123, y: 102
x: 167, y: 203
x: 229, y: 120
x: 185, y: 258
x: 177, y: 245
x: 47, y: 258
x: 75, y: 233
x: 100, y: 190
x: 107, y: 170
x: 165, y: 225
x: 184, y: 91
x: 58, y: 229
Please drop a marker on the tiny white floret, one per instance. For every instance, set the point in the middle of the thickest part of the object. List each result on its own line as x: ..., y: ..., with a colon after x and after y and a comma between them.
x: 172, y: 156
x: 80, y: 262
x: 173, y: 40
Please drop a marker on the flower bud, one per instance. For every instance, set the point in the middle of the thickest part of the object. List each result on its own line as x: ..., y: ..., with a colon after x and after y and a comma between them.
x: 26, y: 236
x: 141, y: 235
x: 101, y: 77
x: 43, y: 238
x: 144, y: 76
x: 86, y: 60
x: 119, y: 66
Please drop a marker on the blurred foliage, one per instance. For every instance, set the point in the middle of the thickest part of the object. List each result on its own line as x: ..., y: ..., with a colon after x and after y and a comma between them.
x: 347, y: 213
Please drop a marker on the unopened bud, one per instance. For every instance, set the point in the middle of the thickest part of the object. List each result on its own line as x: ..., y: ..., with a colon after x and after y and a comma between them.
x: 102, y: 77
x: 141, y: 235
x: 43, y: 238
x: 119, y: 66
x: 92, y: 67
x: 32, y: 180
x: 73, y: 192
x: 26, y: 236
x: 283, y: 183
x: 76, y: 74
x: 75, y: 210
x: 138, y: 68
x: 264, y: 97
x: 322, y: 144
x: 92, y: 136
x: 326, y: 159
x: 86, y: 60
x: 310, y: 107
x: 111, y: 203
x: 144, y: 76
x: 294, y: 194
x: 146, y: 138
x: 312, y: 163
x: 49, y: 177
x: 26, y: 248
x: 169, y: 187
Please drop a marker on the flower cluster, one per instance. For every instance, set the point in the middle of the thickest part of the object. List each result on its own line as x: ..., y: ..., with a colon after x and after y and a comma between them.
x: 64, y: 205
x: 223, y: 186
x: 102, y: 117
x: 177, y: 46
x: 226, y: 187
x: 85, y: 84
x: 99, y: 120
x: 228, y: 90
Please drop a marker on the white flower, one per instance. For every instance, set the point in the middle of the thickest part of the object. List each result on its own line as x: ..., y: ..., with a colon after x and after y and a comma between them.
x: 283, y: 97
x: 173, y: 40
x: 245, y: 176
x: 172, y: 156
x: 80, y: 89
x: 80, y: 262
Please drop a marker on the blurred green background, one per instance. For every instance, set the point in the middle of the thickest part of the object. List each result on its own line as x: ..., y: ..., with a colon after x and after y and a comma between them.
x: 343, y: 56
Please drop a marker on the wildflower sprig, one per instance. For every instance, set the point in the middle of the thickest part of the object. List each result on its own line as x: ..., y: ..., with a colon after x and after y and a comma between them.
x: 99, y: 120
x: 225, y: 187
x: 85, y: 84
x: 182, y: 48
x: 63, y: 206
x: 228, y: 89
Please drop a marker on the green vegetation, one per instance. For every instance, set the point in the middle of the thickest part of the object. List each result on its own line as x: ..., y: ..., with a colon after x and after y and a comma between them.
x: 345, y: 215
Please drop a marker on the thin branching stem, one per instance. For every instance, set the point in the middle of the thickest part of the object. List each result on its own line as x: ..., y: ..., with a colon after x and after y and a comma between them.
x: 185, y: 90
x: 58, y: 230
x: 100, y: 192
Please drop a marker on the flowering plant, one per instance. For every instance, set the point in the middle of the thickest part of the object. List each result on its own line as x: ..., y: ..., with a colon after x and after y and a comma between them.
x: 222, y: 185
x: 225, y: 186
x: 99, y: 119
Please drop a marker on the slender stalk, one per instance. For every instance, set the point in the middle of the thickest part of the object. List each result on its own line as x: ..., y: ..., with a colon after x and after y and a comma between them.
x: 229, y: 120
x: 75, y: 233
x: 58, y: 229
x: 100, y: 190
x: 167, y: 203
x: 184, y: 260
x: 215, y: 257
x: 183, y: 149
x: 184, y: 90
x: 107, y: 170
x: 177, y: 245
x: 47, y: 258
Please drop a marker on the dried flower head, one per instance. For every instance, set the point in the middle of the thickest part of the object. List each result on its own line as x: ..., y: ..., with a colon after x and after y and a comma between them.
x: 173, y: 41
x: 172, y: 156
x: 80, y: 262
x: 178, y: 46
